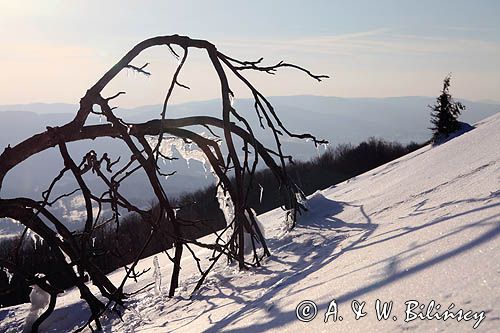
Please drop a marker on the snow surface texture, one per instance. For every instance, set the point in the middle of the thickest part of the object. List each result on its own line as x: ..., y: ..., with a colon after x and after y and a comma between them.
x: 423, y: 227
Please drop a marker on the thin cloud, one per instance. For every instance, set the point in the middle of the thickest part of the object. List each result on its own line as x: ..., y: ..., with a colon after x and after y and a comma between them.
x: 379, y: 41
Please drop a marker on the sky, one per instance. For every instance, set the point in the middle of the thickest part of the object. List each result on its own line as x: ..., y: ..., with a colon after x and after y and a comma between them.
x: 53, y: 51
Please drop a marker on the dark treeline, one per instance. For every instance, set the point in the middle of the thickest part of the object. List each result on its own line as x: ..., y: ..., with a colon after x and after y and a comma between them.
x: 116, y: 246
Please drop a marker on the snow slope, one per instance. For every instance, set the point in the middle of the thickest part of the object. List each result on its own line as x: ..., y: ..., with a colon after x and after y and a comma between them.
x: 423, y: 227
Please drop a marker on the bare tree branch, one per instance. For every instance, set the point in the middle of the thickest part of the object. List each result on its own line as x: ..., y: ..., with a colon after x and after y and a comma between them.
x: 234, y: 174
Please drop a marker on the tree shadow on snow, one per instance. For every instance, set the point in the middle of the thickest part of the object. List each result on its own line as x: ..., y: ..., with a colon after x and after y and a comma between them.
x: 306, y: 265
x: 300, y: 256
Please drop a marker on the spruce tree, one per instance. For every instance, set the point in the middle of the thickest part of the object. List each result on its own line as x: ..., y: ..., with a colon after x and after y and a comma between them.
x: 445, y: 112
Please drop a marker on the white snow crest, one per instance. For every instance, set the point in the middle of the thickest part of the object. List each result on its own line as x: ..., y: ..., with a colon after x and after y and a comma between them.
x: 39, y: 299
x: 35, y: 238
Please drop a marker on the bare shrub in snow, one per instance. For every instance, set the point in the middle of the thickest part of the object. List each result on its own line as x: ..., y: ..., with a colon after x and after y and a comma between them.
x: 231, y: 153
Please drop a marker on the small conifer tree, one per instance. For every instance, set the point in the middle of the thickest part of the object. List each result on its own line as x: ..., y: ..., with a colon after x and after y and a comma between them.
x: 445, y: 112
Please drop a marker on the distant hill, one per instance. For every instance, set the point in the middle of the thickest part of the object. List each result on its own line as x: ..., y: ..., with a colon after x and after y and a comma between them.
x: 41, y: 108
x: 339, y: 120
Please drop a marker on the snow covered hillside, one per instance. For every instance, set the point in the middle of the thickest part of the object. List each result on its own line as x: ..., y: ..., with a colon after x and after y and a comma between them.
x: 422, y: 228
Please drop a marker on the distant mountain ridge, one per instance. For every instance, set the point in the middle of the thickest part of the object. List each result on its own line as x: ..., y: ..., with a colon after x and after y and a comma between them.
x: 339, y: 120
x: 41, y: 108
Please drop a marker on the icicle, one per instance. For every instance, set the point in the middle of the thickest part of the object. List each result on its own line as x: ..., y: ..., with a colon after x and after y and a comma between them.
x: 288, y: 219
x: 34, y: 238
x: 301, y: 199
x: 205, y: 169
x: 8, y: 273
x: 261, y: 192
x: 68, y: 261
x: 248, y: 238
x: 157, y: 275
x: 188, y: 152
x: 93, y: 241
x: 225, y: 202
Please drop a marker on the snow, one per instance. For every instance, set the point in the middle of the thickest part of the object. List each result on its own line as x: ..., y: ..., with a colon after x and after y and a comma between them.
x: 424, y: 227
x: 39, y: 300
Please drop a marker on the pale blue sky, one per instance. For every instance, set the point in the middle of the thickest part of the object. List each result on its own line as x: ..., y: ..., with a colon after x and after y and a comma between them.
x: 54, y: 50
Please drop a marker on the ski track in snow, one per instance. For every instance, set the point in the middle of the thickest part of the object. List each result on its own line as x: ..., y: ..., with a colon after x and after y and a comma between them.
x: 424, y: 227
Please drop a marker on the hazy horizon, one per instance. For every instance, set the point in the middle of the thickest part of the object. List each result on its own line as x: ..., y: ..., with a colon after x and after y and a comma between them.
x: 481, y: 101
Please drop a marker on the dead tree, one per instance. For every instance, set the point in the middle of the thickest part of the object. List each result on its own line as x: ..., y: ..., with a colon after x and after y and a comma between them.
x: 145, y: 141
